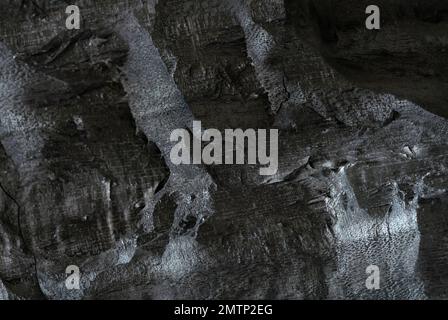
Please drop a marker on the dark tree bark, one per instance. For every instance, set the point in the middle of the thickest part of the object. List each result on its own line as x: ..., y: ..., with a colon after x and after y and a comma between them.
x: 86, y: 178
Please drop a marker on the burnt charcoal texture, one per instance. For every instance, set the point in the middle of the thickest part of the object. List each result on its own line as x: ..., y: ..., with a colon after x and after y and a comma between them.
x: 86, y: 177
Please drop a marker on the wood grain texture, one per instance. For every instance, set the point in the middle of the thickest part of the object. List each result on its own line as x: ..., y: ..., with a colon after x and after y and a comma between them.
x: 86, y: 179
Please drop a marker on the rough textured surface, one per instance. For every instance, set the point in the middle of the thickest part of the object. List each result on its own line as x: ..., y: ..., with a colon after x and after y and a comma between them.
x: 86, y: 179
